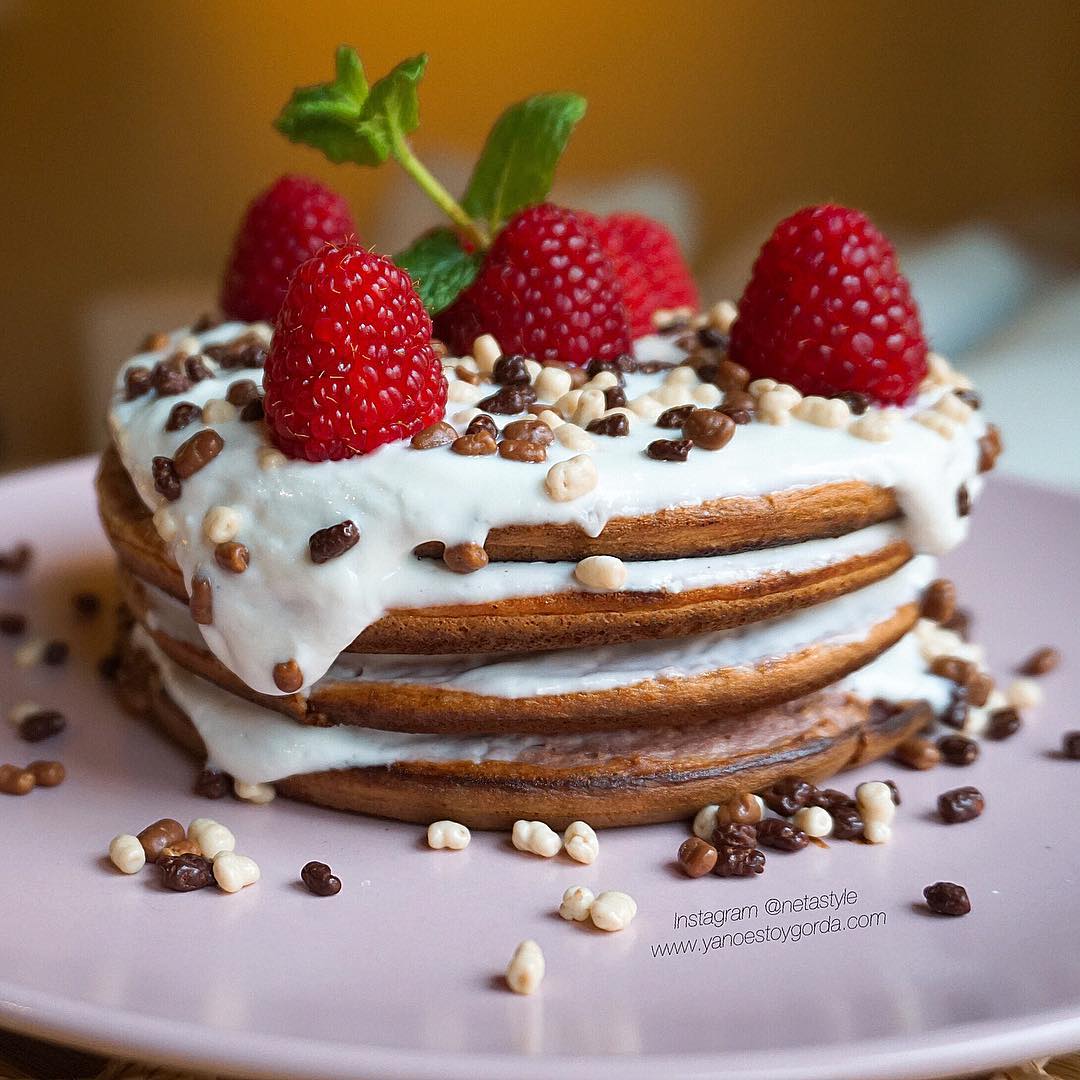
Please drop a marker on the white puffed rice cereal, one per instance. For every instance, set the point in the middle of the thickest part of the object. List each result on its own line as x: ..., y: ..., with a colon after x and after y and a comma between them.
x: 165, y: 523
x: 814, y: 821
x: 951, y: 406
x: 211, y: 836
x: 873, y: 426
x: 525, y: 971
x: 218, y: 411
x: 613, y: 911
x: 448, y: 834
x: 234, y: 872
x: 270, y: 457
x: 647, y: 407
x: 221, y: 524
x: 705, y: 822
x: 937, y: 423
x: 603, y: 572
x: 486, y: 352
x: 823, y: 412
x: 551, y: 384
x: 567, y: 405
x: 260, y: 794
x: 581, y: 843
x: 1024, y: 693
x: 576, y: 902
x: 570, y: 479
x: 590, y: 407
x: 536, y: 838
x: 126, y: 853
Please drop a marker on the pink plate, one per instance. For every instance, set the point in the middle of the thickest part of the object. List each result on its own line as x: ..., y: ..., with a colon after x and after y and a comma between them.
x: 399, y: 975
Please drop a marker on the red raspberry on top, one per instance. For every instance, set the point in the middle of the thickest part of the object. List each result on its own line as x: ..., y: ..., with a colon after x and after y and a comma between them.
x: 649, y: 264
x: 288, y: 223
x: 351, y: 364
x: 828, y: 310
x: 545, y: 290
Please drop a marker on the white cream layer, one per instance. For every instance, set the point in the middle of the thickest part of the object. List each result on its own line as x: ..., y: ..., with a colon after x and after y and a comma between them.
x: 564, y: 671
x: 257, y: 745
x: 284, y: 607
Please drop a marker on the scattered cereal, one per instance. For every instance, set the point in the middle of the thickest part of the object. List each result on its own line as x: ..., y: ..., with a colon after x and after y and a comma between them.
x: 270, y: 457
x: 581, y: 843
x: 705, y: 822
x: 613, y: 911
x: 606, y: 573
x: 782, y: 835
x: 573, y: 437
x: 333, y: 541
x: 260, y: 794
x: 219, y: 411
x: 465, y: 558
x: 320, y: 879
x: 126, y: 853
x: 947, y: 898
x: 697, y: 857
x: 960, y: 805
x: 211, y: 836
x: 575, y: 904
x: 47, y: 773
x: 185, y: 873
x: 814, y: 821
x: 448, y: 834
x: 234, y: 872
x: 154, y: 837
x: 570, y: 479
x: 1024, y: 693
x: 288, y: 677
x: 525, y: 971
x: 221, y: 523
x: 1041, y: 662
x: 917, y: 752
x: 536, y: 838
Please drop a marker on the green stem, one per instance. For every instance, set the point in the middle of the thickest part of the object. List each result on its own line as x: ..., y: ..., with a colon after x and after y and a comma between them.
x: 438, y: 194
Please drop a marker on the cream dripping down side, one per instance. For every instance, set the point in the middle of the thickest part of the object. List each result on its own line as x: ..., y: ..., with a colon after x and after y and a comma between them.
x: 285, y: 607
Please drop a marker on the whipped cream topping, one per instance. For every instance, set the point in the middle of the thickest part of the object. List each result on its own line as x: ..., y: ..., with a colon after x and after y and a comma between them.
x: 845, y: 619
x: 257, y: 745
x: 284, y: 607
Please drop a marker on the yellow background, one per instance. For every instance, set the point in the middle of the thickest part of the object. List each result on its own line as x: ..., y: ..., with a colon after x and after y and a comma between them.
x: 133, y: 134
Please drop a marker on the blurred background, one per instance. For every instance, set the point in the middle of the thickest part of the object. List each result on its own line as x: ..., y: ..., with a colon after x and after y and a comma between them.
x: 134, y: 135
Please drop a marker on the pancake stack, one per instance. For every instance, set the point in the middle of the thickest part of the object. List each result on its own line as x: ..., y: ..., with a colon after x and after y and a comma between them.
x: 549, y: 606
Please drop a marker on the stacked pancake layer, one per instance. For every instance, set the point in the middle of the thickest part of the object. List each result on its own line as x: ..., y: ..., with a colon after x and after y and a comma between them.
x: 770, y: 592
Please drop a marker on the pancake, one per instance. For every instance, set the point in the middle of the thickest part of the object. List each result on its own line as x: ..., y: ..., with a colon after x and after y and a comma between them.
x: 632, y: 779
x: 555, y: 620
x: 786, y: 477
x: 644, y: 684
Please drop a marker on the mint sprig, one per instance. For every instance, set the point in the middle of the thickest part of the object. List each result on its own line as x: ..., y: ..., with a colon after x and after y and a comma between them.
x: 349, y: 121
x: 517, y: 164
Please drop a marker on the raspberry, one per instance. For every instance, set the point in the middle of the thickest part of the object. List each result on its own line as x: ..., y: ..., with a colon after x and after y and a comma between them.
x: 828, y: 310
x: 288, y: 223
x: 649, y: 264
x: 545, y: 290
x: 351, y: 364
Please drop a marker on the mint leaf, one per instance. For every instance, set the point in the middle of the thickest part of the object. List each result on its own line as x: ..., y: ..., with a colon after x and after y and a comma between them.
x: 439, y: 268
x: 393, y: 104
x: 519, y: 158
x: 349, y: 122
x: 327, y: 115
